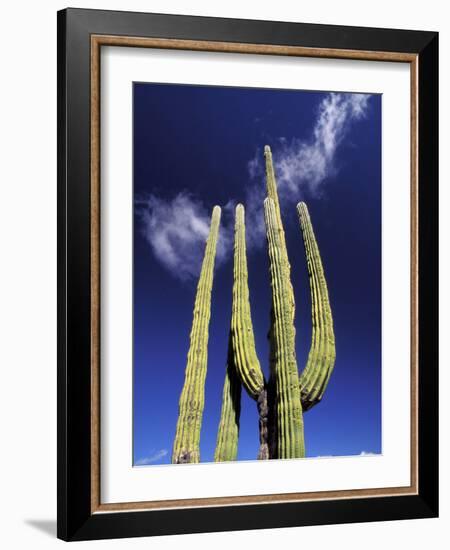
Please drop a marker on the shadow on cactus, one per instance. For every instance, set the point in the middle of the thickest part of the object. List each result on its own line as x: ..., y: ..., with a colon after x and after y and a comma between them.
x: 282, y: 399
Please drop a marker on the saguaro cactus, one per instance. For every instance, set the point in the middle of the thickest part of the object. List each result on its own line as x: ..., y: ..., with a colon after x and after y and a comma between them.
x: 272, y: 192
x: 277, y: 416
x: 243, y: 340
x: 228, y: 432
x: 187, y: 439
x: 290, y: 436
x: 322, y: 354
x: 271, y: 183
x: 285, y: 396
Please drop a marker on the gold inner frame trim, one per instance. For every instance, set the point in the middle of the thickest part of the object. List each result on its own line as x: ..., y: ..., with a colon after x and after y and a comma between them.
x: 97, y: 41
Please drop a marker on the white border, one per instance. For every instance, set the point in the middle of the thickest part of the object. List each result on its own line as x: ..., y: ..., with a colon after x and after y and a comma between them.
x: 120, y: 482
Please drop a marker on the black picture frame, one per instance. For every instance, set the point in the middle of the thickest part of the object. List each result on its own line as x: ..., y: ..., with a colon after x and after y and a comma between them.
x: 75, y: 518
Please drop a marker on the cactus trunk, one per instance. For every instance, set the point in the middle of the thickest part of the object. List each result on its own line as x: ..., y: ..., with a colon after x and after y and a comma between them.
x: 290, y: 436
x: 322, y: 355
x: 276, y: 403
x: 243, y: 340
x: 228, y: 432
x: 186, y: 447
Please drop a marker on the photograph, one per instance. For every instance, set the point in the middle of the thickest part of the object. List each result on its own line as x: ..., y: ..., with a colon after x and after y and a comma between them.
x: 257, y: 274
x: 247, y: 273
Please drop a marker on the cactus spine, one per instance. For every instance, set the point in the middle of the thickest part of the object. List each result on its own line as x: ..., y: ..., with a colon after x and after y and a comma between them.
x: 289, y: 414
x: 228, y: 432
x: 187, y: 439
x: 243, y: 340
x: 322, y: 355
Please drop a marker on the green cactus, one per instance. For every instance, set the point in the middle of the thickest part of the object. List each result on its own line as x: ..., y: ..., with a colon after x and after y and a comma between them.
x: 272, y: 193
x: 282, y: 399
x: 271, y: 182
x: 243, y: 340
x: 314, y: 379
x: 228, y: 432
x: 289, y: 414
x: 289, y: 307
x: 186, y: 447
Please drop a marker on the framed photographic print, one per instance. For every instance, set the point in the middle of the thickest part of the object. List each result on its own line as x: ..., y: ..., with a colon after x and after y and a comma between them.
x: 247, y: 257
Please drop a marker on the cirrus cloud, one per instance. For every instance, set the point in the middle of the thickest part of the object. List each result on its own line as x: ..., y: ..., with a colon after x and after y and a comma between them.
x: 153, y: 457
x: 304, y: 165
x: 177, y: 229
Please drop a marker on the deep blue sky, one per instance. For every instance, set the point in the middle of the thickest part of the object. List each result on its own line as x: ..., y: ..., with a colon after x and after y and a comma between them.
x: 200, y: 140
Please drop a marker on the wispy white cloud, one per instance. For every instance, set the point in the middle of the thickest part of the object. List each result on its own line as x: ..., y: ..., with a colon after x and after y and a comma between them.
x: 362, y: 453
x: 365, y: 453
x: 254, y: 166
x: 153, y: 457
x: 177, y: 231
x: 305, y: 164
x: 302, y: 166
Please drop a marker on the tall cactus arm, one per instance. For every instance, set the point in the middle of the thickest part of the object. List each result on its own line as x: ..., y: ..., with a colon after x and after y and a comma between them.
x: 314, y: 378
x: 186, y: 446
x: 243, y: 340
x: 246, y: 359
x: 272, y: 193
x: 290, y: 435
x: 271, y: 182
x: 228, y: 432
